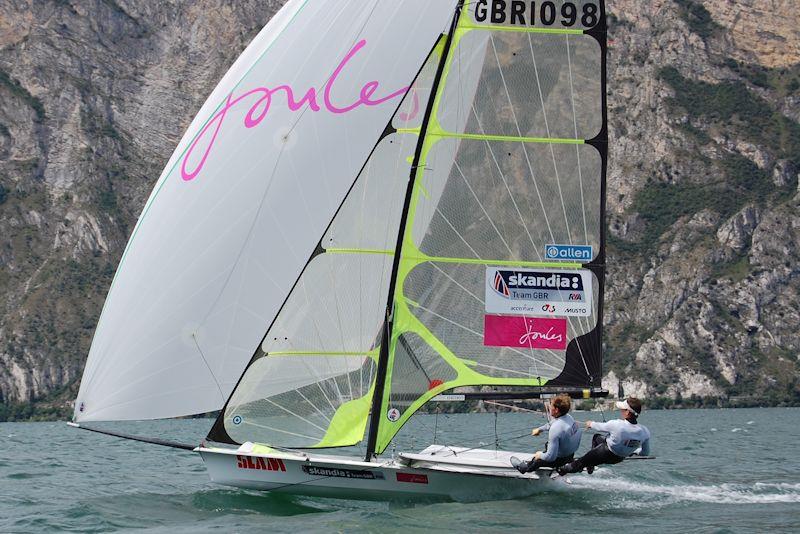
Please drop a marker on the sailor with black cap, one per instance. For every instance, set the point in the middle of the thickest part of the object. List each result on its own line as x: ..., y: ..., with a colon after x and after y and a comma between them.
x: 615, y: 441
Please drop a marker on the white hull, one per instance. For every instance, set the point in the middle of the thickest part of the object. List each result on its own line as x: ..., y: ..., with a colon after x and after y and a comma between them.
x: 466, y: 476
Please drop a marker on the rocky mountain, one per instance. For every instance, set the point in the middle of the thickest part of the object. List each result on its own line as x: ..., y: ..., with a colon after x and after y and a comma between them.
x: 704, y: 101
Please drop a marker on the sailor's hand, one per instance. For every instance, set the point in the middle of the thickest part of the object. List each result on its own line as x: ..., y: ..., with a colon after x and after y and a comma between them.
x: 589, y: 424
x: 536, y: 431
x: 537, y: 455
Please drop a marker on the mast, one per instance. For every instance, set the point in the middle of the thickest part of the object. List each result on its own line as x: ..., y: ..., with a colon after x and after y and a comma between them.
x: 383, y: 359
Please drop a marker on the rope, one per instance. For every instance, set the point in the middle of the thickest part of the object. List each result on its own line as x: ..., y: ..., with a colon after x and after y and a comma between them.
x: 526, y: 434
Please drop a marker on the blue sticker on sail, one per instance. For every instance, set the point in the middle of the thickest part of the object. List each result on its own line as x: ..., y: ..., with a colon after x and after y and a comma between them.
x: 237, y: 420
x: 568, y: 252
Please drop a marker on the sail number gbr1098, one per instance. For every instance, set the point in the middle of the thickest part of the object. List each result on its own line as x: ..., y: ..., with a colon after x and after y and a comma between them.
x: 537, y: 13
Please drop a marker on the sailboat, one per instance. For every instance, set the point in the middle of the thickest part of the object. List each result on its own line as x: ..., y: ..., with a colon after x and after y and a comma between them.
x: 382, y: 204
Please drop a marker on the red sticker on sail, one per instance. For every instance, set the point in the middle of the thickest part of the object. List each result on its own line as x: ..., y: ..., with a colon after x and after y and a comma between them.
x: 524, y: 332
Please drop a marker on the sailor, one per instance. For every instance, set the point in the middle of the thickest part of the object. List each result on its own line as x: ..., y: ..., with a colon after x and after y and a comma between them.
x: 615, y: 441
x: 563, y: 440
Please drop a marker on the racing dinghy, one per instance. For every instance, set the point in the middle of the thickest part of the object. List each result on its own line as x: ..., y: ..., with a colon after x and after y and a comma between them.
x: 380, y: 203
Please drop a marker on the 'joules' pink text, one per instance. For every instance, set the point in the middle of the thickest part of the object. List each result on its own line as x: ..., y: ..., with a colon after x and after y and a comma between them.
x: 261, y: 100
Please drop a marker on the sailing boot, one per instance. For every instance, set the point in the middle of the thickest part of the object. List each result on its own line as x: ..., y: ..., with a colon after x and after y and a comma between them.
x: 520, y: 465
x: 567, y: 469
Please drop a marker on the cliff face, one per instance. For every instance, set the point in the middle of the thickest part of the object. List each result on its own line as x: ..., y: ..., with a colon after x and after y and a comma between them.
x: 94, y: 96
x: 703, y: 197
x: 704, y: 101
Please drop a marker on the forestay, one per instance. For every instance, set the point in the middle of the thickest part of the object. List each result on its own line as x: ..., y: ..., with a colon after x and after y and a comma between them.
x: 240, y: 209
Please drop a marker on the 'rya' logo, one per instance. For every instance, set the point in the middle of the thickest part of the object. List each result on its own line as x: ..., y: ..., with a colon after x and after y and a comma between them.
x: 257, y: 462
x: 506, y: 281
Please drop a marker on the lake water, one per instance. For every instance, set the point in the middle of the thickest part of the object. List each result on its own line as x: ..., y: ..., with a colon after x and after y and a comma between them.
x: 716, y: 471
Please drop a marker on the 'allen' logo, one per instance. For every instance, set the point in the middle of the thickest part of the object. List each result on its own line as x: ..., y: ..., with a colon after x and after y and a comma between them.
x: 264, y: 464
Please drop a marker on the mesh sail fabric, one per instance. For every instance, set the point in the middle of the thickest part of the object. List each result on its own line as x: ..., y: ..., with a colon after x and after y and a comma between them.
x: 530, y: 85
x: 244, y: 200
x: 313, y: 400
x: 313, y: 382
x: 417, y: 369
x: 504, y: 171
x: 507, y: 200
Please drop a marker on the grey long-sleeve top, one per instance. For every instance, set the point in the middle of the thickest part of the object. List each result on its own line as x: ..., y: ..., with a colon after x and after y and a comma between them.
x: 624, y: 438
x: 564, y: 438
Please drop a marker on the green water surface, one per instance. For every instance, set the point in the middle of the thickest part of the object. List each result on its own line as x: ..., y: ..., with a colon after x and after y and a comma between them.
x: 716, y: 471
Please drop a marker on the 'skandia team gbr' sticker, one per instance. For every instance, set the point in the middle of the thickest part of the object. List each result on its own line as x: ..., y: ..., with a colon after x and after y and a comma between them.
x: 540, y: 292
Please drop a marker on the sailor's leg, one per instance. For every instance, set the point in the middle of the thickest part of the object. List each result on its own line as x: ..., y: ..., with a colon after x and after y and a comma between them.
x: 589, y: 460
x: 597, y: 440
x: 562, y: 461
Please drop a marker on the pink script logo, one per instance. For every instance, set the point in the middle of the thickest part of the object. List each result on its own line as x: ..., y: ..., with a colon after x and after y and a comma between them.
x: 259, y: 109
x: 524, y: 332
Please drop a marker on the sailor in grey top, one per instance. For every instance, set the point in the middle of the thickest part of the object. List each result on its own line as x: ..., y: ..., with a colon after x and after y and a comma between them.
x: 624, y: 437
x: 564, y: 438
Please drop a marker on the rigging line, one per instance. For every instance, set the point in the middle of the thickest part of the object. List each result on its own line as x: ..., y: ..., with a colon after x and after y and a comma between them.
x: 575, y: 128
x: 505, y: 183
x: 454, y: 453
x: 500, y: 235
x: 524, y: 147
x: 496, y: 368
x: 511, y: 406
x: 142, y: 439
x: 203, y: 357
x: 417, y: 305
x: 552, y: 150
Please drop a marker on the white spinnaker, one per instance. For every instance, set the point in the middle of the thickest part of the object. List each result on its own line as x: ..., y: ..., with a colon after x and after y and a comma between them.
x: 213, y: 256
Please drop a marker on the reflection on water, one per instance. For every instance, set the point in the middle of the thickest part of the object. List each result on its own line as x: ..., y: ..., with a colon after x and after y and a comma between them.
x: 715, y: 468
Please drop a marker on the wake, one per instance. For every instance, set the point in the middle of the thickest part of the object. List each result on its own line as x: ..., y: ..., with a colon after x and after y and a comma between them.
x: 728, y: 493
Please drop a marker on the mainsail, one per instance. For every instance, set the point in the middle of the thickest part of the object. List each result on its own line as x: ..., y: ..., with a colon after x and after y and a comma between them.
x: 469, y: 250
